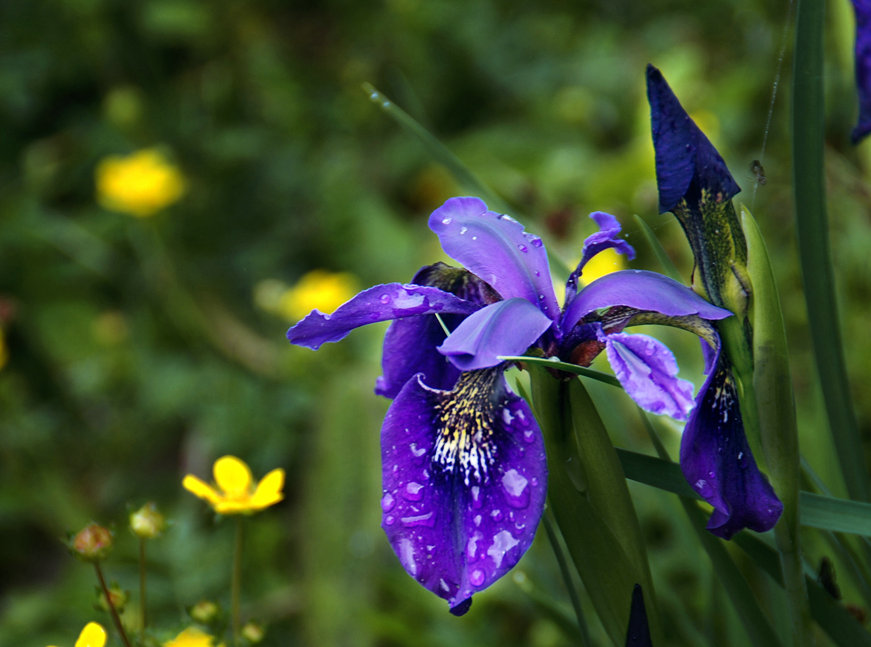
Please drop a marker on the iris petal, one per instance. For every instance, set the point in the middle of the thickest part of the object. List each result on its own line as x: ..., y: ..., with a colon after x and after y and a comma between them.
x: 647, y: 371
x: 641, y: 290
x: 497, y: 249
x: 863, y: 68
x: 379, y: 303
x: 716, y: 460
x: 502, y: 328
x: 686, y: 160
x: 464, y: 478
x: 605, y: 238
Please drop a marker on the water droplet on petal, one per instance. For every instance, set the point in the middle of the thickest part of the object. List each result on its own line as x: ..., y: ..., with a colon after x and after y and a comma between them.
x: 496, y: 515
x: 477, y: 520
x: 385, y: 298
x: 389, y: 520
x: 413, y: 491
x: 447, y: 221
x: 528, y: 435
x: 417, y: 451
x: 502, y: 543
x: 516, y: 488
x: 427, y: 519
x: 536, y: 242
x: 476, y: 497
x: 523, y: 248
x: 477, y: 577
x: 463, y: 231
x: 387, y: 502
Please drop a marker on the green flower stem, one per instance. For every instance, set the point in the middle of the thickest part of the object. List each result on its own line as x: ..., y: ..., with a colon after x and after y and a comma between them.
x: 142, y: 588
x: 236, y: 583
x: 112, y: 610
x: 553, y: 537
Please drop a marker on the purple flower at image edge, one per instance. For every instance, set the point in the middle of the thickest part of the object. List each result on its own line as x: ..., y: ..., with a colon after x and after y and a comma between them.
x: 464, y: 471
x: 863, y: 68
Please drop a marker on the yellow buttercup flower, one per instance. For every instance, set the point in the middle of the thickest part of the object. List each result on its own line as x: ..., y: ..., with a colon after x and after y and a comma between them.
x: 192, y: 637
x: 316, y: 290
x: 236, y: 492
x: 140, y: 184
x: 607, y: 261
x: 93, y: 635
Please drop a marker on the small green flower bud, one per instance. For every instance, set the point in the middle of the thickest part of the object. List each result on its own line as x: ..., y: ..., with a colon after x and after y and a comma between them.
x: 204, y: 612
x: 117, y: 596
x: 253, y: 632
x: 147, y: 522
x: 92, y: 543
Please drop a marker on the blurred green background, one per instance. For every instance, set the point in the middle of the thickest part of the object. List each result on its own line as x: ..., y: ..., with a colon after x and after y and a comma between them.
x: 139, y: 349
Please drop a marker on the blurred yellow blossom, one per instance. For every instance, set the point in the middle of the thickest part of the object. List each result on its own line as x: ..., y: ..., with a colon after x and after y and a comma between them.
x: 236, y: 492
x: 605, y: 262
x: 140, y: 184
x: 93, y: 635
x: 316, y: 290
x: 192, y: 637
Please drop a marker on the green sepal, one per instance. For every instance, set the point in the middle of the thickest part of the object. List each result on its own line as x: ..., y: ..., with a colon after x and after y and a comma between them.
x: 591, y: 504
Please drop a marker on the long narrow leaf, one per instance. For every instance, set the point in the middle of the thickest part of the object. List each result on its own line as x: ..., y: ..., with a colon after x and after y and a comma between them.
x: 813, y: 244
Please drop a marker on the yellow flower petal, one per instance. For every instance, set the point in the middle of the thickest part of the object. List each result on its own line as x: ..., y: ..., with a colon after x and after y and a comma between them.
x: 233, y: 477
x: 191, y: 637
x: 268, y: 491
x: 93, y: 635
x: 201, y: 489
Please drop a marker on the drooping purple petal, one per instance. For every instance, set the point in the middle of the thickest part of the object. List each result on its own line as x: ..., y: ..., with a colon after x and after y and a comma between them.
x: 503, y: 328
x: 716, y: 460
x: 410, y: 343
x: 647, y: 371
x: 863, y: 68
x: 379, y: 303
x: 464, y: 478
x: 605, y: 238
x: 686, y: 161
x: 641, y: 290
x: 496, y: 249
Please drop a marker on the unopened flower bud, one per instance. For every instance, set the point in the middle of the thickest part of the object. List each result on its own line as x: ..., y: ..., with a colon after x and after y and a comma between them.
x: 147, y: 522
x: 92, y: 543
x: 204, y: 612
x: 253, y: 632
x: 117, y: 596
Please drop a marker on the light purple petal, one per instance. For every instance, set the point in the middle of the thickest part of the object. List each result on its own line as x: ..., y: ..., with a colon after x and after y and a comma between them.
x: 379, y: 303
x: 863, y: 68
x: 502, y: 328
x: 605, y: 238
x: 641, y: 290
x: 647, y: 371
x: 497, y: 249
x: 458, y: 522
x: 717, y: 462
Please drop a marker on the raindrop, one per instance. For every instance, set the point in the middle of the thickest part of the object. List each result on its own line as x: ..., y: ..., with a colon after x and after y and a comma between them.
x: 413, y: 491
x: 474, y: 238
x: 385, y: 298
x: 502, y: 543
x: 523, y: 248
x: 516, y: 488
x: 476, y: 497
x: 463, y: 231
x: 417, y: 451
x: 427, y: 519
x: 477, y: 577
x: 327, y: 317
x: 496, y: 515
x: 536, y: 242
x: 387, y: 502
x: 389, y: 520
x: 447, y: 221
x: 477, y: 520
x: 528, y: 435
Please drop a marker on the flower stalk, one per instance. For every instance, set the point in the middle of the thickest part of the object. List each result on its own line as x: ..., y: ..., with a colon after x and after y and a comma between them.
x: 236, y: 580
x: 116, y: 619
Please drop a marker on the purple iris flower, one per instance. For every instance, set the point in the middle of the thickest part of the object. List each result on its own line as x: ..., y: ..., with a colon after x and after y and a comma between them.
x: 863, y: 68
x: 464, y: 470
x: 695, y: 184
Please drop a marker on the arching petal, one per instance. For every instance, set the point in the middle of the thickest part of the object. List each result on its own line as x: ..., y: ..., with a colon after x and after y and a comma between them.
x: 497, y: 249
x: 647, y: 371
x: 464, y: 478
x: 379, y: 303
x: 717, y: 462
x: 502, y: 328
x: 641, y: 290
x: 269, y: 490
x: 233, y: 477
x: 605, y: 238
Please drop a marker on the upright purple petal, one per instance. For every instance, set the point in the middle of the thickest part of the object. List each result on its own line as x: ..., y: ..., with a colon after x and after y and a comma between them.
x: 503, y: 328
x: 686, y: 161
x: 647, y: 371
x: 863, y: 68
x: 641, y: 290
x: 379, y: 303
x: 464, y: 477
x: 497, y: 249
x: 717, y: 462
x: 605, y: 238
